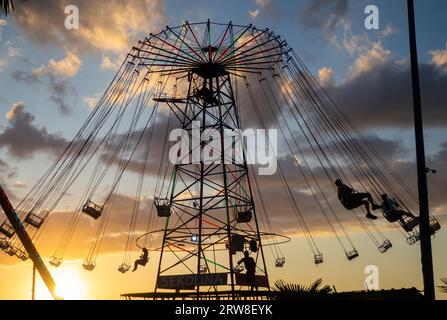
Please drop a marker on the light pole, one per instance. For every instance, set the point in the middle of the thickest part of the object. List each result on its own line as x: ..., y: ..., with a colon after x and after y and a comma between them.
x: 424, y: 223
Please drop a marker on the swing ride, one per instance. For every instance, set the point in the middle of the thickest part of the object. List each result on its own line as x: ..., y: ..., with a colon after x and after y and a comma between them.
x: 204, y: 216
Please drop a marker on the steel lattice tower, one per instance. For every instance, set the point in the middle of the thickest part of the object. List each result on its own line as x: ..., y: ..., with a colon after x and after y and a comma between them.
x: 208, y: 201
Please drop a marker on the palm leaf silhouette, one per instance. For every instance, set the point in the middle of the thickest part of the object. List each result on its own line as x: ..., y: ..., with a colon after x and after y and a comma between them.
x: 291, y: 290
x: 443, y: 287
x: 7, y: 6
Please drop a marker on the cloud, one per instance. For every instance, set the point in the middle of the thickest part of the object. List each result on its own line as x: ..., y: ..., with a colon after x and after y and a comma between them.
x: 22, y: 138
x: 112, y: 27
x: 439, y: 58
x: 55, y: 75
x: 7, y: 174
x: 67, y: 67
x: 2, y: 64
x: 91, y: 101
x: 377, y: 55
x: 377, y: 92
x: 254, y: 13
x: 326, y: 14
x: 388, y: 31
x: 326, y: 76
x: 108, y: 64
x: 262, y: 3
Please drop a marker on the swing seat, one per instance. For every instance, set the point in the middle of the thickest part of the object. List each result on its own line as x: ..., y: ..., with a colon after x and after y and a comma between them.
x: 318, y: 259
x: 163, y: 207
x: 124, y: 268
x: 203, y: 268
x: 237, y: 243
x: 385, y: 246
x: 21, y: 255
x: 4, y: 244
x: 7, y: 230
x: 239, y: 269
x: 34, y: 220
x: 144, y: 262
x: 410, y: 224
x: 253, y: 245
x: 11, y: 251
x: 92, y: 210
x: 413, y: 238
x: 243, y: 216
x: 89, y: 265
x: 391, y: 217
x: 279, y: 263
x: 55, y: 262
x: 434, y: 226
x: 351, y: 255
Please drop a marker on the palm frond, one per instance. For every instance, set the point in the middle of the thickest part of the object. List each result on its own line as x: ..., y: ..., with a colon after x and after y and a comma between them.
x: 314, y: 288
x: 7, y: 6
x: 444, y: 287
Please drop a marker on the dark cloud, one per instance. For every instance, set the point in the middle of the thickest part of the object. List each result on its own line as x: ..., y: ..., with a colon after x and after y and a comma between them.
x: 7, y: 173
x: 321, y: 15
x: 324, y: 14
x: 381, y: 96
x: 62, y: 92
x: 22, y: 138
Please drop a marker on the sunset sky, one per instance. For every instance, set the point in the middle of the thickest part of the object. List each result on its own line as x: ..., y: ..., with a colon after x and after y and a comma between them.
x: 51, y: 78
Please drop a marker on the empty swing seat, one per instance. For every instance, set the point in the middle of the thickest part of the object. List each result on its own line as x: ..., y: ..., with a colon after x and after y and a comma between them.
x: 243, y: 216
x: 351, y: 255
x: 11, y: 251
x: 279, y: 263
x: 91, y: 209
x: 434, y: 226
x: 89, y: 265
x: 413, y: 238
x: 7, y: 229
x: 203, y: 268
x: 124, y: 268
x: 21, y: 255
x: 385, y: 246
x: 318, y: 258
x: 34, y: 220
x: 55, y: 262
x: 163, y: 207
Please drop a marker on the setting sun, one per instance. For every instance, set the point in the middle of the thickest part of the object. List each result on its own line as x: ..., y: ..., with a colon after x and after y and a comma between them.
x: 70, y: 285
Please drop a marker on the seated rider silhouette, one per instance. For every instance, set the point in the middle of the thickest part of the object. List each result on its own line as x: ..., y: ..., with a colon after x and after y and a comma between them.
x: 144, y: 257
x: 392, y: 213
x: 351, y: 199
x: 250, y: 266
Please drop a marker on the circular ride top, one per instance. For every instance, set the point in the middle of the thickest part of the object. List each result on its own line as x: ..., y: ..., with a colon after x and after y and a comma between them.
x: 223, y: 76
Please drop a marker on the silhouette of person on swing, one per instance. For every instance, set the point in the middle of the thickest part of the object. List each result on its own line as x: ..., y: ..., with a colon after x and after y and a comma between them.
x: 250, y: 267
x: 144, y: 257
x: 351, y: 199
x: 391, y: 212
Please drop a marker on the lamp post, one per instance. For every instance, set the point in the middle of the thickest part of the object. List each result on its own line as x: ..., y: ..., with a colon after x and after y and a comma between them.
x: 424, y: 223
